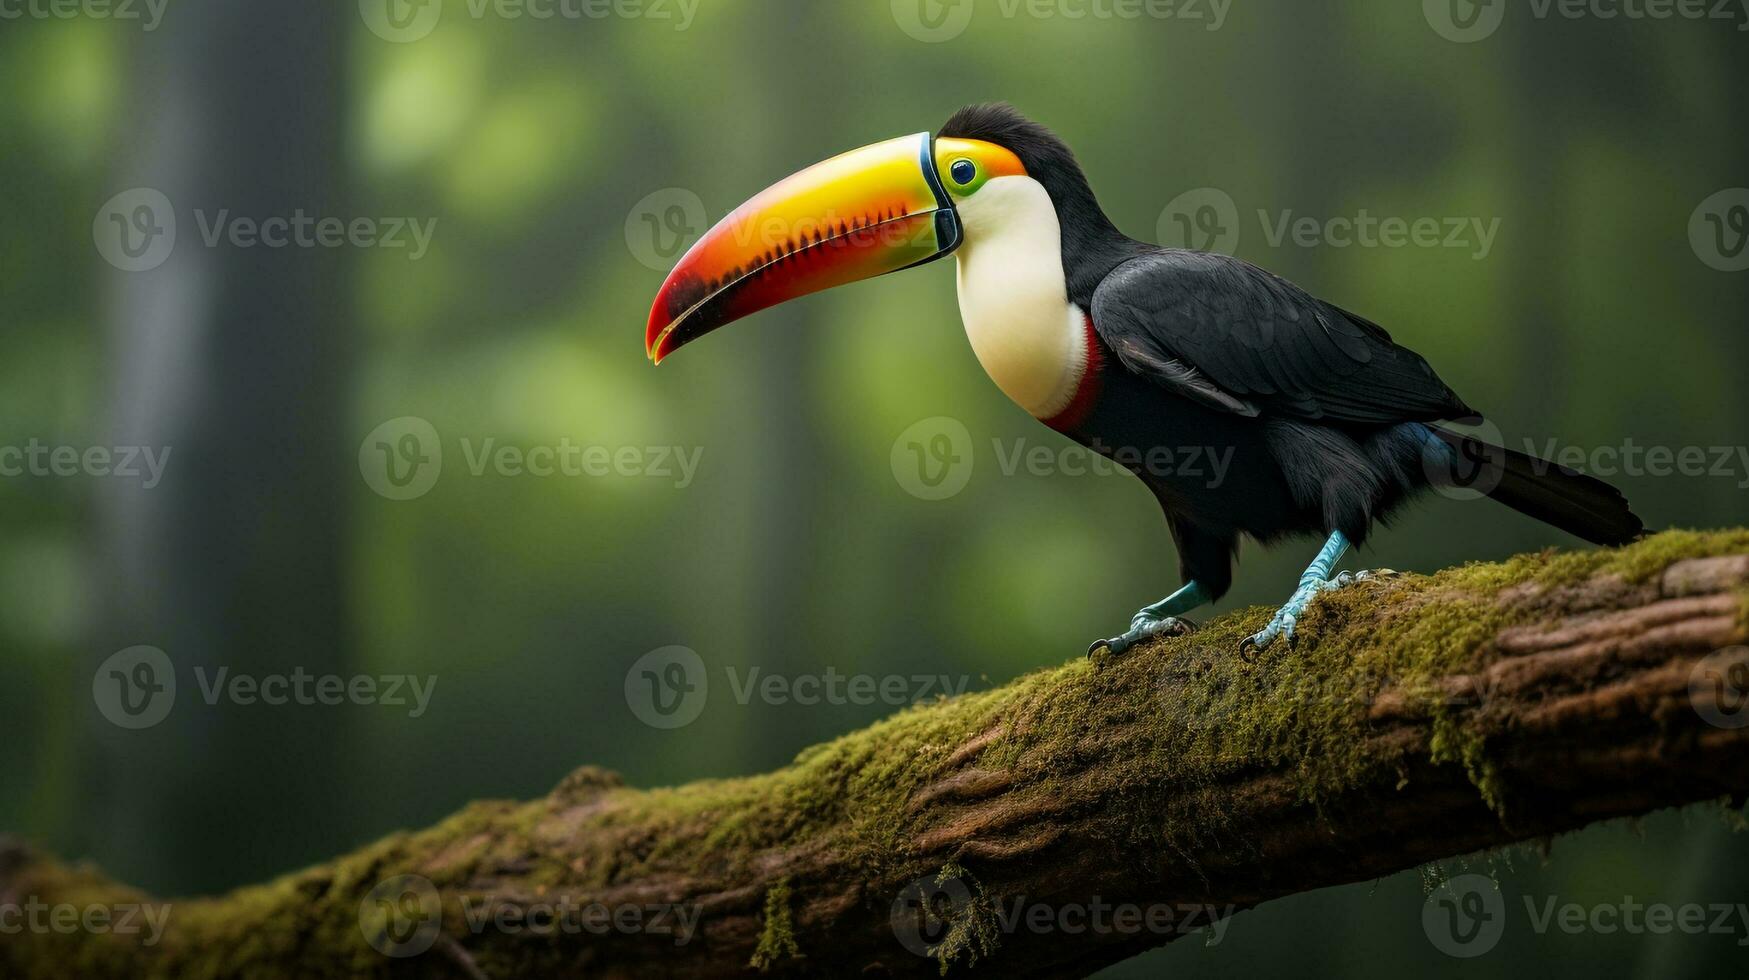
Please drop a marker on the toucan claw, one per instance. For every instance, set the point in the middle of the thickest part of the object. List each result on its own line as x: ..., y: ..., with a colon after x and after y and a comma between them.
x: 1143, y: 629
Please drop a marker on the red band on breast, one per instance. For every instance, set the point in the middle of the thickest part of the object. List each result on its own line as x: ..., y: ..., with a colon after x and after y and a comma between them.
x: 1087, y: 391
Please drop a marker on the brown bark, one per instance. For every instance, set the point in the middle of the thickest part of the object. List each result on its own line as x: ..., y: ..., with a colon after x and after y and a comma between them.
x: 1419, y: 718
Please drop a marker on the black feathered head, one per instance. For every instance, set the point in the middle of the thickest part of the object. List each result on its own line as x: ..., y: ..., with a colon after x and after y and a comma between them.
x: 1090, y: 241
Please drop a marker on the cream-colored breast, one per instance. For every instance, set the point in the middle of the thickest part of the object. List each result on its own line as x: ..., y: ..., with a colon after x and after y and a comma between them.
x: 1013, y: 298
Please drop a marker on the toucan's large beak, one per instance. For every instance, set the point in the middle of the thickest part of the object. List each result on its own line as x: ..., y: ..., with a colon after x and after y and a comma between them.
x: 866, y: 213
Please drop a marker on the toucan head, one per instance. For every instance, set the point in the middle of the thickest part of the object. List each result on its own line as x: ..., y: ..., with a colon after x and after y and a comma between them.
x: 887, y: 206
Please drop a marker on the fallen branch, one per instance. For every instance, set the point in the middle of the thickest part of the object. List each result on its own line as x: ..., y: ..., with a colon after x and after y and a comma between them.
x: 1419, y: 718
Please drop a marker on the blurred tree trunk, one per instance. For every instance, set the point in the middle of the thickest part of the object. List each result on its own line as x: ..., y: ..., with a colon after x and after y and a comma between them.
x: 787, y: 505
x: 1542, y: 76
x: 235, y: 358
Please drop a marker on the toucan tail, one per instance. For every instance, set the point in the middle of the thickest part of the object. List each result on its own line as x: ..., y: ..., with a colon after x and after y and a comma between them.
x: 1554, y: 494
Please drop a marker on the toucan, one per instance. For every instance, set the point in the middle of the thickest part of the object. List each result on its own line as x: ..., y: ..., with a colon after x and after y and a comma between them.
x: 1128, y: 347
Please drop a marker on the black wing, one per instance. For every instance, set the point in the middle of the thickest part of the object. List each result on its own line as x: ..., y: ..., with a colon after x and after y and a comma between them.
x: 1234, y: 337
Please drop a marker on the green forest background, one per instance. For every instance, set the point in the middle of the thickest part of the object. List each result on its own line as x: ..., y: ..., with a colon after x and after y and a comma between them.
x: 553, y: 154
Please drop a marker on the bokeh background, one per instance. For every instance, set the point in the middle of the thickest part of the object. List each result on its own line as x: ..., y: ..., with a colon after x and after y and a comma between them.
x: 564, y: 161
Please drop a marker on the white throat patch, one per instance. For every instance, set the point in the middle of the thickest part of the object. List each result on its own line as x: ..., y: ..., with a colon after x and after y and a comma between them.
x: 1014, y: 297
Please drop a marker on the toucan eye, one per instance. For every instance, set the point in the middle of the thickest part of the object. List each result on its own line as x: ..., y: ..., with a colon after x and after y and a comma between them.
x: 962, y: 171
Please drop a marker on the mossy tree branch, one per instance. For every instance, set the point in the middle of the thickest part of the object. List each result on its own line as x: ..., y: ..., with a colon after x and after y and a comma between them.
x: 1419, y: 718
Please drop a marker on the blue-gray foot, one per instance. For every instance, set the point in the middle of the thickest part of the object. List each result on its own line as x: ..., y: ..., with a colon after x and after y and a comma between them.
x: 1159, y: 619
x: 1281, y: 627
x: 1141, y: 628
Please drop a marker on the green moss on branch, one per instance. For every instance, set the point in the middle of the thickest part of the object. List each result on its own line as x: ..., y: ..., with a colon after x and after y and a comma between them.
x: 1416, y: 718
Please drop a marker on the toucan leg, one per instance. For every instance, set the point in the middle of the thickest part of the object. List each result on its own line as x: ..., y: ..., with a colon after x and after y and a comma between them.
x: 1316, y: 579
x: 1159, y: 619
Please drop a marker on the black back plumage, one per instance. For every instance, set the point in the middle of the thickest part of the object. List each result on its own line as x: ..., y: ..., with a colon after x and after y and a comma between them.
x: 1222, y: 331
